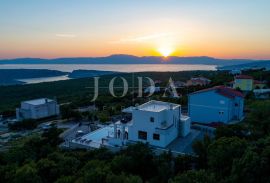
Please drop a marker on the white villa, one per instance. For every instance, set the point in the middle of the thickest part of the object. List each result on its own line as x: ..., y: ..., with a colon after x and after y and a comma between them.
x: 155, y: 122
x: 37, y: 109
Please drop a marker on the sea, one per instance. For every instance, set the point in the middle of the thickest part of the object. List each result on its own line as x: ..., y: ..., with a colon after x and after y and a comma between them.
x: 129, y: 68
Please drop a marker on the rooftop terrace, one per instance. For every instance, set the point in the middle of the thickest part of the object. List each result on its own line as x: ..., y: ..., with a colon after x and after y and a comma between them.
x: 38, y: 101
x: 157, y: 106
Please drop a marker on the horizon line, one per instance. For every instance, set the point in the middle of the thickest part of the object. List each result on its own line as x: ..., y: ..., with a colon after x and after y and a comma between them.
x: 54, y: 58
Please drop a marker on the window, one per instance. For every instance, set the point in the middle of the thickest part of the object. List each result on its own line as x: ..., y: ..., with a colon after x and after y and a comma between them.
x: 156, y: 136
x: 222, y: 102
x: 221, y: 112
x: 152, y: 119
x: 236, y: 105
x: 142, y: 135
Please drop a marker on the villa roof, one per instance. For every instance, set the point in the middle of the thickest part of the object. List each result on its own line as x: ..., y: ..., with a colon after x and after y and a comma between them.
x: 157, y: 106
x: 152, y: 106
x: 38, y: 101
x: 200, y: 79
x: 222, y: 90
x: 243, y: 77
x: 259, y: 82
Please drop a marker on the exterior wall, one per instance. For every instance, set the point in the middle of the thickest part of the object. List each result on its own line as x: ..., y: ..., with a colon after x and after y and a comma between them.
x: 184, y: 126
x: 208, y: 107
x: 238, y: 109
x: 243, y: 84
x: 141, y: 122
x: 259, y: 86
x: 28, y: 111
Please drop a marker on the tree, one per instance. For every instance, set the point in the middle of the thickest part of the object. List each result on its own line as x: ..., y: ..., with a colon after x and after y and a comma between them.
x: 222, y: 153
x: 193, y: 176
x: 122, y: 178
x: 236, y: 130
x: 183, y: 163
x: 259, y: 119
x: 95, y: 171
x: 27, y: 173
x: 65, y: 179
x: 200, y: 148
x: 52, y: 136
x: 142, y: 160
x: 246, y: 169
x: 47, y: 170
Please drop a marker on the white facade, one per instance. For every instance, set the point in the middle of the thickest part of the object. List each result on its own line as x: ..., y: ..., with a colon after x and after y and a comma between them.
x: 157, y: 123
x: 37, y: 109
x: 152, y: 89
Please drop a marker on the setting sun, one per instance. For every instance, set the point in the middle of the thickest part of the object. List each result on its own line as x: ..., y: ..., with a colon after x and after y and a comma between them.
x: 165, y: 51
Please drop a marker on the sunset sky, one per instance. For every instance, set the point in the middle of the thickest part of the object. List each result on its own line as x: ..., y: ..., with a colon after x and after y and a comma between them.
x: 81, y: 28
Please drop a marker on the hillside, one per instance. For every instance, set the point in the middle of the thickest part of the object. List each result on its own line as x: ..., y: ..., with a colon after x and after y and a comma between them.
x: 10, y: 76
x: 129, y: 59
x: 259, y: 64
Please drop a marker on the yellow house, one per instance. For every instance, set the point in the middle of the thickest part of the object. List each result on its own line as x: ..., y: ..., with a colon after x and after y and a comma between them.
x: 244, y: 82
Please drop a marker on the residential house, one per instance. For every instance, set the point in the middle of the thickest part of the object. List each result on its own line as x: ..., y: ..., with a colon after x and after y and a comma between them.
x: 247, y: 83
x: 156, y: 123
x: 217, y: 104
x: 198, y: 81
x: 243, y: 82
x: 152, y: 89
x: 179, y: 84
x: 259, y: 84
x: 235, y: 72
x: 37, y: 109
x: 262, y: 93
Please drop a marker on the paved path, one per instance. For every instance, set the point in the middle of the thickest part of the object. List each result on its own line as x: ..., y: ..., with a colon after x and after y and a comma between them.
x: 184, y: 145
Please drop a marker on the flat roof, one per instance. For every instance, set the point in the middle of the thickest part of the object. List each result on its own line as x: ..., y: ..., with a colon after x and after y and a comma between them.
x: 38, y: 101
x: 157, y: 106
x: 152, y: 106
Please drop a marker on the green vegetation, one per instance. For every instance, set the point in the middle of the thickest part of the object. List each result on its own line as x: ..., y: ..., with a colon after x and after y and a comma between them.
x: 10, y: 76
x: 239, y: 153
x: 79, y: 91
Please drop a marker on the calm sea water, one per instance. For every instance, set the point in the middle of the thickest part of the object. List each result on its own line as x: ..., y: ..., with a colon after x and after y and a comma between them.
x: 112, y: 67
x: 103, y: 67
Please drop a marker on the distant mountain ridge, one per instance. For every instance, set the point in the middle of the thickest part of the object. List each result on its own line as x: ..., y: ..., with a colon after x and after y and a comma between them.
x: 130, y: 59
x: 258, y: 64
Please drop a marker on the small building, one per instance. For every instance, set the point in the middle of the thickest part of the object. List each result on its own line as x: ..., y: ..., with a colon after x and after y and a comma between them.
x: 247, y: 83
x: 89, y: 108
x: 235, y: 72
x: 259, y: 84
x: 156, y: 123
x: 243, y: 82
x: 217, y: 104
x: 198, y: 81
x: 179, y: 84
x: 37, y: 109
x: 262, y: 93
x: 152, y: 89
